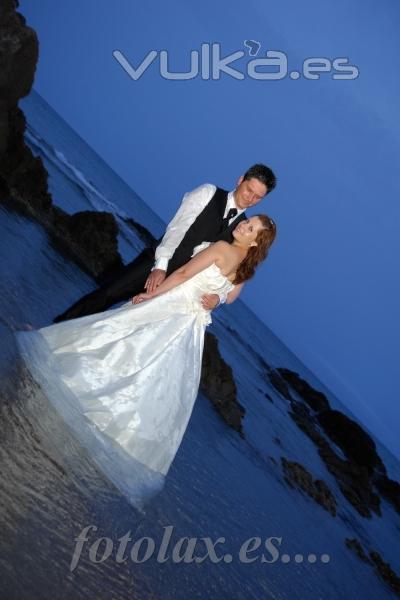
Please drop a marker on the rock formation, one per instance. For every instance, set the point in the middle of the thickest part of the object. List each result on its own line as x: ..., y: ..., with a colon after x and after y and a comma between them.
x: 373, y: 558
x: 361, y: 474
x: 218, y: 383
x: 296, y: 475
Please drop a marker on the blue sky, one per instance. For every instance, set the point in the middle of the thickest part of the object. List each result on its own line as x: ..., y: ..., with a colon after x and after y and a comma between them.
x: 330, y: 288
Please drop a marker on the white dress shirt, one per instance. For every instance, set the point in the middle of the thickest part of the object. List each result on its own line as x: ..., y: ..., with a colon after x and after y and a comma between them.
x: 193, y: 203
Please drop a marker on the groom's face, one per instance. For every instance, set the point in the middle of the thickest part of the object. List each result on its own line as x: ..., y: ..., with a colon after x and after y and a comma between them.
x: 249, y: 192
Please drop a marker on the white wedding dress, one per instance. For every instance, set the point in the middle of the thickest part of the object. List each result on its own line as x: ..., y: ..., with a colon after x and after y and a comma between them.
x: 125, y: 380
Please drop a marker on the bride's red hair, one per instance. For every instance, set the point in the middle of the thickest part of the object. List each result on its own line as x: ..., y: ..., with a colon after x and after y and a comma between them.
x: 257, y: 254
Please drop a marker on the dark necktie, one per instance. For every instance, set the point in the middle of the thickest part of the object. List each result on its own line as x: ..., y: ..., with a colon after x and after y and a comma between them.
x: 232, y: 212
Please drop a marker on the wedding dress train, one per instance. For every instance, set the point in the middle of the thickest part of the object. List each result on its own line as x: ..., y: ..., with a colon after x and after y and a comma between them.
x: 125, y: 380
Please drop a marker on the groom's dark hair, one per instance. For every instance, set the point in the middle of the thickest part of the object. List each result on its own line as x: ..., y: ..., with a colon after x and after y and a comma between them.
x: 263, y: 174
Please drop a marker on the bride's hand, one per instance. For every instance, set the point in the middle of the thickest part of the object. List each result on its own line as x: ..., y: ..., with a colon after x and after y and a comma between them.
x: 141, y: 297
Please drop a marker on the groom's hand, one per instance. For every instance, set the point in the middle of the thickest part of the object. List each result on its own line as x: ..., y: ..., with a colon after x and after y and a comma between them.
x: 155, y: 278
x: 209, y: 301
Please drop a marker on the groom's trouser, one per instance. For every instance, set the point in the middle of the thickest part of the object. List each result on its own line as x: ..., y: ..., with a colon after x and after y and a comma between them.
x: 128, y: 283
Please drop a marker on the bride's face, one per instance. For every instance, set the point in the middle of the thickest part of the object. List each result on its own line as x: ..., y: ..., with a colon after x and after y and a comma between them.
x: 246, y: 231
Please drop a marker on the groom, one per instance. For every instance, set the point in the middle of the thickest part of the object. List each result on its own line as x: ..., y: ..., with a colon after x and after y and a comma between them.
x: 207, y: 213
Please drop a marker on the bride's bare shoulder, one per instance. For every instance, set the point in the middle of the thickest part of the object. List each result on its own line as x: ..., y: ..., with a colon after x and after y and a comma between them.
x: 222, y: 248
x: 224, y: 254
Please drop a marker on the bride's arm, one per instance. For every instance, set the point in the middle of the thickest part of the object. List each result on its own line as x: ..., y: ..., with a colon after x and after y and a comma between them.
x: 199, y: 262
x: 233, y: 294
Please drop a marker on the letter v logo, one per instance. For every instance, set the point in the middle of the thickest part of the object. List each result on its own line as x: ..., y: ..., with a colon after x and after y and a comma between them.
x: 126, y: 65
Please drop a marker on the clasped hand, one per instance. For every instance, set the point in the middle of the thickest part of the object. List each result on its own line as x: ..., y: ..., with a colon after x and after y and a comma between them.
x: 208, y: 301
x: 156, y: 277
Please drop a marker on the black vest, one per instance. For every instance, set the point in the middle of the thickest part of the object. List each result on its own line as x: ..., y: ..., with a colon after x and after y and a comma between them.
x: 207, y: 227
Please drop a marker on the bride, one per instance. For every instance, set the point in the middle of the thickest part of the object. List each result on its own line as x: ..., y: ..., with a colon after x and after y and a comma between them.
x: 125, y: 380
